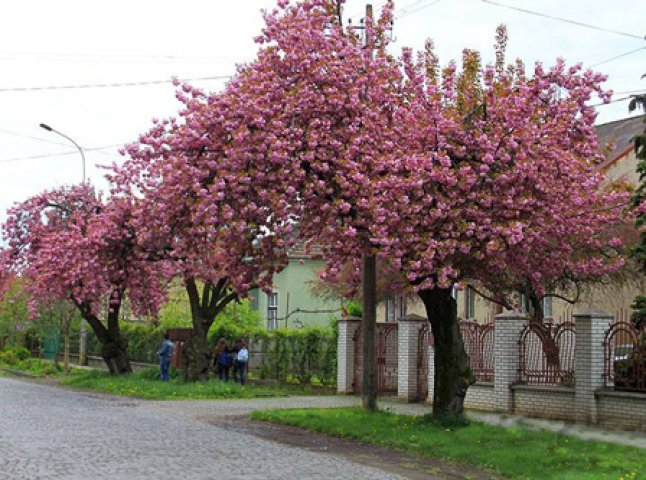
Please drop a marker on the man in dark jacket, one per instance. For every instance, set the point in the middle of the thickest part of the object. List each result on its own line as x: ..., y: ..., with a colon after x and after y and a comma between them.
x: 165, y: 352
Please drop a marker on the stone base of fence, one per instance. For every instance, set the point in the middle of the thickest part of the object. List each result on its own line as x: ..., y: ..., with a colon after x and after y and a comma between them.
x: 556, y: 403
x: 481, y: 396
x: 625, y: 410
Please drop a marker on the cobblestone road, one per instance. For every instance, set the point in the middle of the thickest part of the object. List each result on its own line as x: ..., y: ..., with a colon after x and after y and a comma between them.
x: 50, y: 433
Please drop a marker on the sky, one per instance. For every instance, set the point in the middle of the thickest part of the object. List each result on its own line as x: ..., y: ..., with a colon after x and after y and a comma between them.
x: 46, y: 45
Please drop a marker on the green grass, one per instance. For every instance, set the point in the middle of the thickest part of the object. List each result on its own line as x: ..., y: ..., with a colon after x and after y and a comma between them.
x: 515, y: 453
x: 145, y: 384
x: 34, y: 367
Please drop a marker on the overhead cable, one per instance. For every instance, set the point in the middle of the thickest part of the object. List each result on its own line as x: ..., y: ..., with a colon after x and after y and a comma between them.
x: 108, y: 85
x: 566, y: 20
x: 625, y: 54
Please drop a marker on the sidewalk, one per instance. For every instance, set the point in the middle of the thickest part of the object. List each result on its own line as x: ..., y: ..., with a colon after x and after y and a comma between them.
x: 585, y: 432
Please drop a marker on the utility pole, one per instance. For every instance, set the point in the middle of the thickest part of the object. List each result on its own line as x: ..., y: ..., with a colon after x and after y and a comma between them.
x: 369, y: 318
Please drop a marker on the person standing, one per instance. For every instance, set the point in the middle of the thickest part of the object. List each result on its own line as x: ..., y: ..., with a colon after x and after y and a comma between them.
x: 222, y: 360
x: 165, y: 353
x: 241, y: 359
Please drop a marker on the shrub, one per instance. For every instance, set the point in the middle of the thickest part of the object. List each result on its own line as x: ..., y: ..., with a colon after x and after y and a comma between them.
x: 13, y: 354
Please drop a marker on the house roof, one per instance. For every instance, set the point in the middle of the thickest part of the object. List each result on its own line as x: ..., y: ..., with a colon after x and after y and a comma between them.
x: 299, y: 251
x: 619, y: 135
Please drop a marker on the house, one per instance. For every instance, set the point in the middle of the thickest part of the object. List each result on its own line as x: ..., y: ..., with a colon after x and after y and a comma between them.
x: 620, y: 165
x: 291, y: 302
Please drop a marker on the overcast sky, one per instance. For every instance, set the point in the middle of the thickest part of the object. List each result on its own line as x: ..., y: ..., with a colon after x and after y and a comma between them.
x: 65, y: 43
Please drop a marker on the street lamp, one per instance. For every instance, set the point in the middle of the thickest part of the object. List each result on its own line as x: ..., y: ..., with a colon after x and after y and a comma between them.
x: 83, y: 339
x: 50, y: 129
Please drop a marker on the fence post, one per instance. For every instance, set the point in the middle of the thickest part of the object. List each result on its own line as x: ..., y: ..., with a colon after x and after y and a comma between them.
x: 588, y: 362
x: 431, y: 372
x: 507, y: 328
x: 345, y: 354
x: 407, y: 356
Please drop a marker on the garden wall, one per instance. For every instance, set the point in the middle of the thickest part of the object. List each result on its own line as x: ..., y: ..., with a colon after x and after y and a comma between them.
x: 481, y: 396
x: 556, y: 403
x: 626, y: 410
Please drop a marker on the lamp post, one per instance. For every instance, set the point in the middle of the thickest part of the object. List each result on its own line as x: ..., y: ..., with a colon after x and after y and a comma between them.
x: 83, y: 336
x: 50, y: 129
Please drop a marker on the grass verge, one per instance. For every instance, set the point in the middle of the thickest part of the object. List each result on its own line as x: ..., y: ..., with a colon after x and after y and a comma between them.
x: 515, y: 453
x: 34, y: 367
x: 145, y: 384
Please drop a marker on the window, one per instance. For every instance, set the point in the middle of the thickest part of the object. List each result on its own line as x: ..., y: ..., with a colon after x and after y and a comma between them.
x: 524, y: 303
x: 272, y: 310
x: 547, y: 307
x: 469, y: 303
x: 395, y: 308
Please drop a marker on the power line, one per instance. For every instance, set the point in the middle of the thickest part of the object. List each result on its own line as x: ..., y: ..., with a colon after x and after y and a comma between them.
x: 117, y: 57
x: 69, y: 152
x: 405, y: 12
x: 108, y: 85
x: 38, y: 139
x: 612, y: 101
x: 625, y: 54
x: 566, y: 20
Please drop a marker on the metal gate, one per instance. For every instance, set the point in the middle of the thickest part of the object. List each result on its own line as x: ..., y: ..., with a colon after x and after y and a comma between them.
x: 387, y: 350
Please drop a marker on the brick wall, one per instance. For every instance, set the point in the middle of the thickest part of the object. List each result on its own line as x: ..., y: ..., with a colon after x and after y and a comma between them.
x: 625, y: 410
x: 481, y: 396
x: 544, y: 402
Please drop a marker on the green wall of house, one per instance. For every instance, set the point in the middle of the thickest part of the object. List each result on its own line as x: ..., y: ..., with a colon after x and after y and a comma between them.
x: 293, y: 287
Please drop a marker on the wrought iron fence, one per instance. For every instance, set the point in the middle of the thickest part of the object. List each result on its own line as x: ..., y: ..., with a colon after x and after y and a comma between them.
x: 479, y: 342
x: 624, y: 349
x: 387, y: 351
x: 547, y: 353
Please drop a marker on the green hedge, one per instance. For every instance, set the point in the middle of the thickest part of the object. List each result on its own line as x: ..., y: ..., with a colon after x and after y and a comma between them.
x: 143, y: 342
x: 305, y: 355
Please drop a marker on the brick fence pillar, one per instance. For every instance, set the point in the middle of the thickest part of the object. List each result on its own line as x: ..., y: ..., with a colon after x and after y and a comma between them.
x: 588, y: 362
x: 345, y: 354
x: 431, y: 373
x: 407, y: 356
x: 506, y: 364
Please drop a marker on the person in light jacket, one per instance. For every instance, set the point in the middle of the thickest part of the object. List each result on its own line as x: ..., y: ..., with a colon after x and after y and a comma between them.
x: 165, y: 352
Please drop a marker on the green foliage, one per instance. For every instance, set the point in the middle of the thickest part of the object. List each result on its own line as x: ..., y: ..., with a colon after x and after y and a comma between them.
x: 514, y: 453
x: 12, y: 354
x: 355, y: 309
x: 176, y: 312
x: 639, y: 250
x: 638, y: 318
x: 299, y: 355
x: 13, y: 314
x: 19, y: 358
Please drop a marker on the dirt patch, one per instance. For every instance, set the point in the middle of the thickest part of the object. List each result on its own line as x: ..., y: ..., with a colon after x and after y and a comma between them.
x: 409, y: 466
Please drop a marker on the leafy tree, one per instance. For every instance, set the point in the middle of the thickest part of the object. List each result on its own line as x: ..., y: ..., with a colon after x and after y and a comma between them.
x: 445, y: 175
x: 13, y: 310
x: 639, y: 202
x: 70, y: 244
x: 639, y: 198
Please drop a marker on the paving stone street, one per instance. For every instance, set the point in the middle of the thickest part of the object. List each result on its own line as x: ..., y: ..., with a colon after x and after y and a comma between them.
x: 51, y: 433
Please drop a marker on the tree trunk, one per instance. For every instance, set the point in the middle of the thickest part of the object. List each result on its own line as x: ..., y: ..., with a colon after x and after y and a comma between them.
x: 196, y: 358
x: 215, y: 297
x: 115, y: 357
x: 535, y: 308
x: 452, y: 370
x: 368, y: 325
